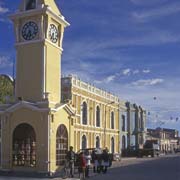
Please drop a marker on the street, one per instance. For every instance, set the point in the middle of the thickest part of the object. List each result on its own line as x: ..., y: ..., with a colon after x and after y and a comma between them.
x: 162, y: 168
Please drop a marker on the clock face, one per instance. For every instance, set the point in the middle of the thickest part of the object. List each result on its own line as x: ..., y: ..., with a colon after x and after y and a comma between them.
x: 53, y: 33
x: 29, y: 30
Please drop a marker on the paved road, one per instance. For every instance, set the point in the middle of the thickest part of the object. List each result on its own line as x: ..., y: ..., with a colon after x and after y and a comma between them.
x: 163, y: 168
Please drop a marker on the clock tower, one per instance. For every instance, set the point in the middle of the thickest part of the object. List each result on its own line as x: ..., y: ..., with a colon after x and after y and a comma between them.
x: 36, y: 129
x: 39, y: 28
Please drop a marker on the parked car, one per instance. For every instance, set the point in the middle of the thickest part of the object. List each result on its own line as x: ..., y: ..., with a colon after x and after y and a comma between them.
x: 151, y: 148
x: 177, y: 150
x: 116, y: 157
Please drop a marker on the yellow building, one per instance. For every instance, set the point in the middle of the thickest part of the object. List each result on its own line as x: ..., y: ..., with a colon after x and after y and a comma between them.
x: 97, y: 115
x: 36, y: 128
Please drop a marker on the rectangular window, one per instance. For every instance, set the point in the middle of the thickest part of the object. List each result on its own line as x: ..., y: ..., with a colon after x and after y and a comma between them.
x: 123, y: 123
x: 30, y: 4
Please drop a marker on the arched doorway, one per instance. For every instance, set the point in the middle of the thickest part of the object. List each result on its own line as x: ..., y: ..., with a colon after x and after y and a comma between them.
x: 112, y: 145
x: 61, y: 144
x: 97, y: 142
x: 123, y: 142
x: 24, y: 146
x: 84, y: 142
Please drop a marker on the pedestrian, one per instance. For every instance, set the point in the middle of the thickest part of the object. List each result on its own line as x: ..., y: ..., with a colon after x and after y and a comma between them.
x: 66, y: 170
x: 99, y: 163
x: 105, y: 160
x: 96, y: 160
x: 71, y: 159
x: 82, y: 165
x: 88, y: 162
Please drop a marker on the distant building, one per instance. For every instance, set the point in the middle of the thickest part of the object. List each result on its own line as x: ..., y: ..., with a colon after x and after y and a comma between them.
x: 136, y: 118
x: 168, y: 138
x: 131, y: 126
x: 123, y: 126
x: 140, y: 128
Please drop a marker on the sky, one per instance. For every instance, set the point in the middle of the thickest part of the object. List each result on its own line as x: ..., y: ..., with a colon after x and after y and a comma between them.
x: 128, y: 47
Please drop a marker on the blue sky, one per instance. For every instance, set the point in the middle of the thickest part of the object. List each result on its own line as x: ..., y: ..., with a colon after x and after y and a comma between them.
x: 128, y: 47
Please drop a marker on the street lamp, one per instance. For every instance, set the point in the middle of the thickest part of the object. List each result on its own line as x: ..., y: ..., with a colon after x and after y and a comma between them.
x: 112, y: 102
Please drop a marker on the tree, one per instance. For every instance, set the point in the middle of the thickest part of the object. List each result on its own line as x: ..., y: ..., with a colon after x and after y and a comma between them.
x: 6, y: 89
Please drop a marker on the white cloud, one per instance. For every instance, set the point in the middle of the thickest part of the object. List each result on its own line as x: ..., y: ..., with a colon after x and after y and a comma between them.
x: 107, y: 80
x: 97, y: 81
x: 136, y: 71
x: 5, y: 62
x: 3, y: 10
x: 126, y: 72
x: 146, y: 71
x: 148, y: 82
x: 157, y: 12
x: 146, y: 2
x: 110, y: 78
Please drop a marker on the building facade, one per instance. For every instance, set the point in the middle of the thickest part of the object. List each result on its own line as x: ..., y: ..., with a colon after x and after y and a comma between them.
x: 131, y: 127
x: 97, y: 115
x: 168, y: 139
x: 123, y: 126
x: 140, y: 128
x: 136, y: 118
x: 36, y: 128
x: 49, y: 115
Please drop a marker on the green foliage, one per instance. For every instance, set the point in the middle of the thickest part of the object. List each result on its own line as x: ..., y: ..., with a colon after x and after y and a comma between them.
x: 6, y: 89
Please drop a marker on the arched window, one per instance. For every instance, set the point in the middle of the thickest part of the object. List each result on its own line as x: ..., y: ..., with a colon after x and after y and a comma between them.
x: 61, y: 144
x: 112, y: 120
x: 97, y: 142
x: 24, y: 146
x: 30, y: 4
x: 97, y: 116
x: 84, y: 113
x: 112, y: 145
x: 123, y: 123
x: 84, y: 142
x: 123, y: 142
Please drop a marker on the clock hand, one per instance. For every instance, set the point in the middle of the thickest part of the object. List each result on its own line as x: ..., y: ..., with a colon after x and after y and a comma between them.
x: 29, y: 33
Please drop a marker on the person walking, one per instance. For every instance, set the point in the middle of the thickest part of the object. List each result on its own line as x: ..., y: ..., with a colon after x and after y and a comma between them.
x: 82, y: 165
x: 71, y: 159
x: 105, y: 161
x: 88, y: 162
x: 94, y: 161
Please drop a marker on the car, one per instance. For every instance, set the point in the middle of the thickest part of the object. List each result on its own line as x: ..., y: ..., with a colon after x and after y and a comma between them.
x: 177, y: 150
x: 116, y: 157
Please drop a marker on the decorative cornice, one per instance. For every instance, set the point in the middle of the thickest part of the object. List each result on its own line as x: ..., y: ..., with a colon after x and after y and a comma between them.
x: 24, y: 104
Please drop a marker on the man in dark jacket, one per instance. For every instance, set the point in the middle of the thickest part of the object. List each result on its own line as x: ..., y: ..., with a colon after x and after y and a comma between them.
x: 71, y: 159
x: 105, y: 160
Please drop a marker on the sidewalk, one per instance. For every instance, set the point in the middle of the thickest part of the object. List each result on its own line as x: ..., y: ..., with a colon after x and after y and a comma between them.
x: 17, y: 176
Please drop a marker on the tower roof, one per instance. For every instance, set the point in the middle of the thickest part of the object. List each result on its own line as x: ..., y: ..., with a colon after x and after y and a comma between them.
x: 41, y: 3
